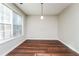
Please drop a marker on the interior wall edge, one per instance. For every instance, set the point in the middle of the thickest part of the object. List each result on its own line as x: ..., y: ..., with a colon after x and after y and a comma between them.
x: 69, y: 46
x: 64, y: 9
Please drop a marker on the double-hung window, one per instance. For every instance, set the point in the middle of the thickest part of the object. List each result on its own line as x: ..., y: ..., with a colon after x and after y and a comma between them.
x: 10, y: 23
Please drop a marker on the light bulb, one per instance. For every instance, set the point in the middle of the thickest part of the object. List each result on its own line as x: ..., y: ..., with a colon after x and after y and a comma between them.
x: 42, y: 17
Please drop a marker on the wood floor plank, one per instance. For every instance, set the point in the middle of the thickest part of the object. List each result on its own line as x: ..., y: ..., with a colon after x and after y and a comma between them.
x: 42, y: 48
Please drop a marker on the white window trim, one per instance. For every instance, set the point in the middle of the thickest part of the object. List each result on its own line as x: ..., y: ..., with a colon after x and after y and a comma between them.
x: 16, y: 37
x: 4, y: 41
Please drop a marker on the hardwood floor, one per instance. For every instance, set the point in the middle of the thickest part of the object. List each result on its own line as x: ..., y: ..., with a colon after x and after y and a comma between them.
x: 42, y: 48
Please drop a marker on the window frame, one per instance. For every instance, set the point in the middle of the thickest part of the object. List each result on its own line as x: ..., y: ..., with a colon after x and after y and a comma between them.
x: 12, y: 22
x: 22, y: 17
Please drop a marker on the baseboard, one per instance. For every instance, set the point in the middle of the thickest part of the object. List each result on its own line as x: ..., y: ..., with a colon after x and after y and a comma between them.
x: 13, y: 48
x: 69, y: 47
x: 42, y: 38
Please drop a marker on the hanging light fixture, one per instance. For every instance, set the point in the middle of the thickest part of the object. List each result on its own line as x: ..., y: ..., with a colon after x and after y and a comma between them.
x: 42, y: 17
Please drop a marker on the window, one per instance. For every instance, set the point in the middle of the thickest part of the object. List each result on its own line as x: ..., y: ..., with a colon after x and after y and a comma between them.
x: 17, y: 28
x: 10, y: 23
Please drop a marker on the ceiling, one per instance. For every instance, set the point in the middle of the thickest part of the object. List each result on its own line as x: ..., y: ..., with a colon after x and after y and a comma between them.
x: 48, y: 8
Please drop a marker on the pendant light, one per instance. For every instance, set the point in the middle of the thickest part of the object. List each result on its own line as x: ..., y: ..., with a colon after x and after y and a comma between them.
x: 42, y: 17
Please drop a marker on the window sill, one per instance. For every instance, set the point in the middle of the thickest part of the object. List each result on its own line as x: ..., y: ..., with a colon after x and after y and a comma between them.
x: 6, y: 40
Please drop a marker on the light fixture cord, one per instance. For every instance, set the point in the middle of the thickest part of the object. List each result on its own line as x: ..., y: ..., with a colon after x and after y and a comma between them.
x: 41, y: 9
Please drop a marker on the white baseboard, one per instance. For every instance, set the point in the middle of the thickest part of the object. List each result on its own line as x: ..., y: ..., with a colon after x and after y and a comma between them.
x: 42, y: 38
x: 13, y: 48
x: 69, y: 47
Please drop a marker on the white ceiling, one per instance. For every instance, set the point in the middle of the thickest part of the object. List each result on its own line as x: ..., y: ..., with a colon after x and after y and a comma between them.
x: 49, y: 8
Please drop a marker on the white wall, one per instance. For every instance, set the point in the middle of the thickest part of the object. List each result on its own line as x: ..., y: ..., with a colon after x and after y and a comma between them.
x: 6, y: 47
x: 41, y: 29
x: 69, y: 26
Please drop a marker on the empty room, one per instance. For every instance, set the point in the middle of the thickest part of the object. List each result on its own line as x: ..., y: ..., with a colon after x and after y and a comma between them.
x: 39, y: 29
